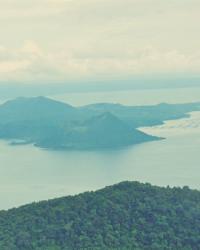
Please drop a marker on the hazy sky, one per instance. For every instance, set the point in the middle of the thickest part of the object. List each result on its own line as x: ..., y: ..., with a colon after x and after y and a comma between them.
x: 58, y: 40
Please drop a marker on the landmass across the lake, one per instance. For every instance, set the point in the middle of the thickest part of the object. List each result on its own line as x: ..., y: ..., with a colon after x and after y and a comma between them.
x: 51, y: 124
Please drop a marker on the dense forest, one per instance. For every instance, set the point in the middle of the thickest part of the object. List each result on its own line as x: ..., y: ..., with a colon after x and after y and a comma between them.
x: 129, y: 215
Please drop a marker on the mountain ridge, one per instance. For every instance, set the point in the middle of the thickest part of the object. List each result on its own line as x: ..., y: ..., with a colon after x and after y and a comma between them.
x: 48, y: 123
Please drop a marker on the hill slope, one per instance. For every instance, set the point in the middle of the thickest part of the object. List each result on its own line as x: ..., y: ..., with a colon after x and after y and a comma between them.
x: 100, y: 132
x: 51, y: 124
x: 36, y: 108
x: 128, y: 215
x: 141, y: 116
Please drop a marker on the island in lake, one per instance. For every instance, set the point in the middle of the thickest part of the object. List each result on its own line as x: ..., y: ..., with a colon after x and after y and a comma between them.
x: 51, y: 124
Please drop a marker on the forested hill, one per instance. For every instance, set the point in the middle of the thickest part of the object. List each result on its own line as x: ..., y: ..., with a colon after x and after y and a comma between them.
x: 128, y: 215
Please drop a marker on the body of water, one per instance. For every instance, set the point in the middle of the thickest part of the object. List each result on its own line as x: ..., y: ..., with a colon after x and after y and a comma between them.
x: 30, y: 174
x: 133, y: 97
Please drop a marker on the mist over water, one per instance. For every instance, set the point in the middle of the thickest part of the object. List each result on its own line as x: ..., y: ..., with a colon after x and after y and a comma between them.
x: 133, y: 97
x: 30, y: 174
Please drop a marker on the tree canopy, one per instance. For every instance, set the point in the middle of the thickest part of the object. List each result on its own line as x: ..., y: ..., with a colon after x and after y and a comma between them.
x: 129, y: 215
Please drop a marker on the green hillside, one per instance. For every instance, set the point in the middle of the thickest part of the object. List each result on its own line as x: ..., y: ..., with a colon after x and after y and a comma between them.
x: 128, y: 215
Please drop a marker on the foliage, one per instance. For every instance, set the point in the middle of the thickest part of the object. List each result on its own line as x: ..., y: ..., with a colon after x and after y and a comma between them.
x: 128, y: 215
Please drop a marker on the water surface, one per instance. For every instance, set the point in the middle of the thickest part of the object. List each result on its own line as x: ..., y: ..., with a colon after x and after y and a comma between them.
x: 30, y: 174
x: 133, y: 97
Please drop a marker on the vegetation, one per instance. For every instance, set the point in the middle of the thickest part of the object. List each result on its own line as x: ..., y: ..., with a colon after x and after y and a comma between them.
x: 128, y: 215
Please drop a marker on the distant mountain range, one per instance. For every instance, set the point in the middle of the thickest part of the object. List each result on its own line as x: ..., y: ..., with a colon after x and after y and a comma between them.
x: 129, y: 215
x: 51, y: 124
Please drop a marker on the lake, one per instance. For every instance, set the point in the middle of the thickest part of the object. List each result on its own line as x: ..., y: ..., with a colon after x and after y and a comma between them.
x: 133, y: 97
x: 30, y: 174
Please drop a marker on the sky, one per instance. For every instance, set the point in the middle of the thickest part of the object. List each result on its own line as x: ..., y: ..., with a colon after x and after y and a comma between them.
x: 81, y: 40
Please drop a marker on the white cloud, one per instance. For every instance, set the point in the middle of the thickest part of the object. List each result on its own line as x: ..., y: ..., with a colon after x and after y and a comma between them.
x: 13, y: 66
x: 30, y: 48
x: 30, y: 62
x: 65, y: 39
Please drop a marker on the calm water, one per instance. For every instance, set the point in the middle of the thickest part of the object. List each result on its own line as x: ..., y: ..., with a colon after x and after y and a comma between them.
x: 29, y: 174
x: 133, y: 97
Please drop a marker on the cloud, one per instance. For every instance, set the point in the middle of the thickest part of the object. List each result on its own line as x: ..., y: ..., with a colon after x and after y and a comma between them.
x: 56, y: 40
x: 30, y: 48
x: 13, y: 66
x: 30, y: 62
